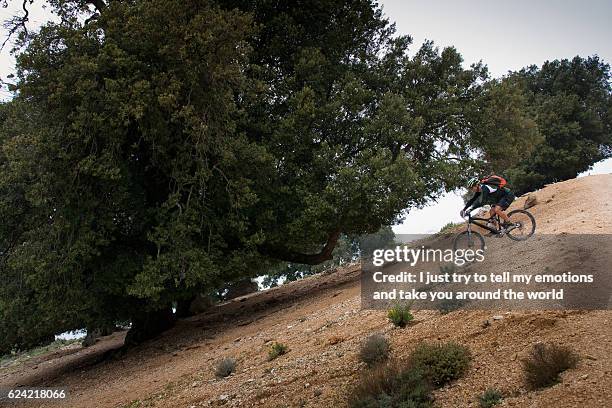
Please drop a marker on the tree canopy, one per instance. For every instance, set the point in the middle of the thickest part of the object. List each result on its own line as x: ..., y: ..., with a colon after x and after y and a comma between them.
x: 571, y: 102
x: 158, y: 149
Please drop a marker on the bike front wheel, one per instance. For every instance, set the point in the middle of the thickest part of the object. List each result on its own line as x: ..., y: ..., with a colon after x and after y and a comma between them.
x: 469, y: 240
x: 524, y: 225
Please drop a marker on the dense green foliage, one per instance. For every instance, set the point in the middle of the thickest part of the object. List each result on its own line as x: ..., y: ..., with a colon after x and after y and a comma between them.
x: 161, y: 149
x: 571, y: 102
x: 158, y: 149
x: 441, y: 363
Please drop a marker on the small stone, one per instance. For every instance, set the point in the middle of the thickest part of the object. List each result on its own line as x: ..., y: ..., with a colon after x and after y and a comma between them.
x: 223, y: 397
x: 584, y: 377
x: 498, y: 317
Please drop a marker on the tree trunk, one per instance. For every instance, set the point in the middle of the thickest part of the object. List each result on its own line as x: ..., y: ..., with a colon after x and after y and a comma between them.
x: 147, y: 325
x: 182, y: 307
x: 241, y: 288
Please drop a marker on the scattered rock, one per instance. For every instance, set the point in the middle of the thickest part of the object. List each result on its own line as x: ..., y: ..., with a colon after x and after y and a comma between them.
x: 498, y: 317
x: 530, y: 201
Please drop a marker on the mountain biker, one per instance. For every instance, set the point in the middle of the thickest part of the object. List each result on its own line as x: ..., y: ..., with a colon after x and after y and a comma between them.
x: 499, y: 197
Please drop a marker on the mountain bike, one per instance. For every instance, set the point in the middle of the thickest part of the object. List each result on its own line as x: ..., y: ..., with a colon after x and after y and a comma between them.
x: 522, y: 226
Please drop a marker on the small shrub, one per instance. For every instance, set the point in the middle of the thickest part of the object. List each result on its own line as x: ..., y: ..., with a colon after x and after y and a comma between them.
x: 490, y: 398
x: 388, y: 385
x: 277, y: 349
x: 374, y: 350
x: 441, y: 363
x: 225, y: 367
x: 400, y: 315
x: 546, y: 362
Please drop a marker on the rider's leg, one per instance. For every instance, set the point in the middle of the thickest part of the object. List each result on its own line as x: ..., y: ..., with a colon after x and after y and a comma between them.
x: 492, y: 220
x: 497, y: 209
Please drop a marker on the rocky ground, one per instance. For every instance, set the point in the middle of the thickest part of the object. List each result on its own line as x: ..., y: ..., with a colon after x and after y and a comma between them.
x: 321, y: 321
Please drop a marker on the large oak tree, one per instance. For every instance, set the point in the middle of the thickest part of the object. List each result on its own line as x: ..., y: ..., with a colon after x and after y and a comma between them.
x: 155, y: 149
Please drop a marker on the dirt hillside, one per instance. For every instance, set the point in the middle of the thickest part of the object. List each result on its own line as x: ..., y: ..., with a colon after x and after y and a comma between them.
x: 319, y: 318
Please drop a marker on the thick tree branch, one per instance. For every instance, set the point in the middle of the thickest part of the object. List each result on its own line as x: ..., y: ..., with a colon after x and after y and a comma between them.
x: 284, y: 254
x: 16, y: 23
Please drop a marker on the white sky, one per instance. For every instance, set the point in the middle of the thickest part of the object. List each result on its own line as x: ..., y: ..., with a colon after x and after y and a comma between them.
x: 509, y: 34
x: 505, y: 35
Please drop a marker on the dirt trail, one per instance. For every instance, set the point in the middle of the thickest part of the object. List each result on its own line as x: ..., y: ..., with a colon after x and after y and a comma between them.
x: 319, y: 318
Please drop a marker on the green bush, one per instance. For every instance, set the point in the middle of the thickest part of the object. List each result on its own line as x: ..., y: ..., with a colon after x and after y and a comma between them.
x: 374, y: 350
x: 277, y: 349
x: 441, y: 363
x: 490, y: 398
x: 225, y: 367
x: 390, y: 386
x: 400, y: 315
x: 545, y: 363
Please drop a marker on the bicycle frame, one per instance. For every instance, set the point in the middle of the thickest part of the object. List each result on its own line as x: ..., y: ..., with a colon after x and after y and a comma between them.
x: 474, y: 220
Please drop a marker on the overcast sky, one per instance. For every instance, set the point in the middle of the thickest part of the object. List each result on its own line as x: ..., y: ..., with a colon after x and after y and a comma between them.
x: 505, y: 35
x: 510, y: 34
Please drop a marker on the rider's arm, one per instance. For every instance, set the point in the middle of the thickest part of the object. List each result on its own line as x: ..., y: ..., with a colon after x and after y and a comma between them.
x: 472, y: 200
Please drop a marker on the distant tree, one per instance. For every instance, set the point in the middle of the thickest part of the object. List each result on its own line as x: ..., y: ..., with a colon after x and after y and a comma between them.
x: 507, y: 132
x: 159, y: 149
x: 572, y: 102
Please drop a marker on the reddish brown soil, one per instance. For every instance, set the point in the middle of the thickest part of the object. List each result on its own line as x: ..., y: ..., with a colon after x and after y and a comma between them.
x: 319, y: 318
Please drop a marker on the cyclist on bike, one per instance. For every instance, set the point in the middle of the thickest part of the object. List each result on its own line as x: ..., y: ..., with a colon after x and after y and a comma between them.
x: 498, y: 197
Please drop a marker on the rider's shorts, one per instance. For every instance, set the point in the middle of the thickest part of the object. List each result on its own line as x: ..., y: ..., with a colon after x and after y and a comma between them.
x: 505, y: 201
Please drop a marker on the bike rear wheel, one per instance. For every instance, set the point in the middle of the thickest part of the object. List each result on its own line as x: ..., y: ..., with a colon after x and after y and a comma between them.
x: 526, y: 225
x: 469, y: 240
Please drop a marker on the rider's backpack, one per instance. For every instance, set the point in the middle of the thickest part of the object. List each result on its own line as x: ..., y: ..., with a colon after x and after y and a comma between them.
x: 494, y: 180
